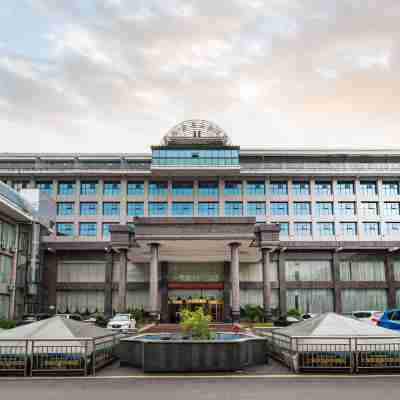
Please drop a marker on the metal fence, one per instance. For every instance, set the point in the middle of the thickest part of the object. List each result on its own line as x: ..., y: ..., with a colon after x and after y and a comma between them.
x: 81, y: 356
x: 351, y: 354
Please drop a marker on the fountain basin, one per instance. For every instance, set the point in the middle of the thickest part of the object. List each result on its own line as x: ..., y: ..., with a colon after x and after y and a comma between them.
x: 158, y: 353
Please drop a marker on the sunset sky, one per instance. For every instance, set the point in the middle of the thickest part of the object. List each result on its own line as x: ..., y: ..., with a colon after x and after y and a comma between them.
x: 115, y: 75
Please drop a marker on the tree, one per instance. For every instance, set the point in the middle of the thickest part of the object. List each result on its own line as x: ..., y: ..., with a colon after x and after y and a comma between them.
x: 196, y: 322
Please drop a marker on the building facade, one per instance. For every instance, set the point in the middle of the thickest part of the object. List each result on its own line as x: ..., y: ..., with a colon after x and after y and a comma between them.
x: 338, y: 214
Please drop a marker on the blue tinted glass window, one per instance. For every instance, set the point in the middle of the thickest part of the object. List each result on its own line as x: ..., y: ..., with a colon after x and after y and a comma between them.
x: 135, y: 188
x: 182, y: 209
x: 233, y: 208
x: 371, y: 228
x: 158, y: 189
x: 368, y: 188
x: 65, y: 229
x: 301, y: 188
x: 255, y: 208
x: 106, y: 230
x: 302, y: 229
x: 45, y: 187
x: 391, y: 208
x: 279, y: 188
x: 135, y: 209
x: 112, y: 188
x: 158, y: 209
x: 65, y: 208
x: 302, y: 208
x: 255, y: 188
x: 66, y: 188
x: 390, y: 188
x: 284, y: 228
x: 208, y: 209
x: 348, y: 228
x: 88, y: 188
x: 346, y: 208
x: 323, y: 188
x: 393, y: 228
x: 88, y: 229
x: 369, y: 208
x: 324, y: 208
x: 182, y: 189
x: 89, y: 208
x: 209, y: 189
x: 345, y: 188
x: 325, y: 228
x: 233, y: 188
x: 111, y: 209
x: 279, y: 208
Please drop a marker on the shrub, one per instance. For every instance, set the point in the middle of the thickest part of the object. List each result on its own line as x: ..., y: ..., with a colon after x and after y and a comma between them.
x: 253, y: 313
x: 293, y: 312
x: 101, y: 320
x: 7, y: 324
x: 196, y: 323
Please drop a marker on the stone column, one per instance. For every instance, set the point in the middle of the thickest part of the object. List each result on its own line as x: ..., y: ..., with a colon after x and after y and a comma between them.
x: 153, y: 292
x: 267, y: 288
x: 122, y: 280
x: 13, y: 282
x: 235, y: 283
x: 164, y: 292
x: 282, y: 284
x: 108, y: 285
x: 227, y: 291
x: 337, y: 289
x: 52, y: 266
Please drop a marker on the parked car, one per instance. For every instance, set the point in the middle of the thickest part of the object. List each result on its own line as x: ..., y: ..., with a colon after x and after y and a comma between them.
x: 75, y: 317
x: 29, y: 318
x: 122, y: 322
x: 390, y: 319
x: 371, y: 316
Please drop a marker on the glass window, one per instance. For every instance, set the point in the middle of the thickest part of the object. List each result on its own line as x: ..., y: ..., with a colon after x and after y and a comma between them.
x: 182, y: 189
x: 284, y: 228
x: 391, y: 208
x: 363, y: 299
x: 5, y: 274
x: 111, y: 209
x: 279, y: 208
x: 106, y: 230
x: 308, y: 270
x: 182, y: 209
x: 45, y: 187
x: 390, y: 188
x: 255, y: 208
x: 310, y: 300
x: 135, y: 188
x: 135, y: 209
x: 65, y: 208
x: 279, y: 188
x: 369, y: 208
x: 371, y: 228
x: 112, y: 188
x: 233, y: 188
x: 393, y: 228
x: 368, y: 188
x: 325, y: 228
x: 19, y: 185
x: 158, y: 209
x: 348, y: 228
x: 208, y: 209
x: 323, y: 208
x: 66, y: 188
x: 158, y: 189
x: 208, y: 189
x: 233, y: 208
x: 65, y: 229
x: 302, y: 229
x: 346, y: 208
x: 89, y: 208
x: 323, y: 188
x: 345, y: 188
x: 255, y: 188
x: 302, y: 208
x: 88, y: 229
x: 371, y: 269
x: 8, y: 233
x: 301, y: 188
x: 88, y: 188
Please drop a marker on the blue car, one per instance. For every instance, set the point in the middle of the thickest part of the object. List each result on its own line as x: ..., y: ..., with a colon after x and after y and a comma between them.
x: 390, y: 319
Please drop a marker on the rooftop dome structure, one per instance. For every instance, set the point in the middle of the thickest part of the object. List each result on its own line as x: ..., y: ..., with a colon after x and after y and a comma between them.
x: 195, y: 130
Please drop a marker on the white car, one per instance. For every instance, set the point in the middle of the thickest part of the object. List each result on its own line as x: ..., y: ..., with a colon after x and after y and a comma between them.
x: 122, y: 322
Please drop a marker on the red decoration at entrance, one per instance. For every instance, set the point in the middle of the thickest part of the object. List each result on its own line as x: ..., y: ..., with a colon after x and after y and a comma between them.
x: 195, y: 285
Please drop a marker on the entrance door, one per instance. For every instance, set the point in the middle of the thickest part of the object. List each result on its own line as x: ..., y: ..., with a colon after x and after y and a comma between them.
x: 213, y: 307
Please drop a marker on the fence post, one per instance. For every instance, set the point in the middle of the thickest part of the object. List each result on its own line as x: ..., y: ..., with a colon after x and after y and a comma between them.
x: 356, y: 358
x: 32, y: 356
x: 85, y: 360
x: 93, y: 357
x: 26, y: 358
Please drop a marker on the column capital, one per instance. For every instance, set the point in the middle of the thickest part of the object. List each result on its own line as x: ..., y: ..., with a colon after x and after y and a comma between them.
x: 234, y: 244
x: 154, y: 244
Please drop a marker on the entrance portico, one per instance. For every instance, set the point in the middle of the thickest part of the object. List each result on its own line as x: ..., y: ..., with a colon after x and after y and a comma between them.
x: 219, y: 243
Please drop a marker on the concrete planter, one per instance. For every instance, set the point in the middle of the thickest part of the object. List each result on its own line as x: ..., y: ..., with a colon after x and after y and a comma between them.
x: 191, y: 355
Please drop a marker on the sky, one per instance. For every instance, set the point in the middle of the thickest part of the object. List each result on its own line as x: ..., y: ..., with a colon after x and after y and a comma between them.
x: 116, y: 75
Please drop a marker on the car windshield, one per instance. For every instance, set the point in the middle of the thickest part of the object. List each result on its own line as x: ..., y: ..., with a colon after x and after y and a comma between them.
x: 121, y: 318
x: 362, y: 314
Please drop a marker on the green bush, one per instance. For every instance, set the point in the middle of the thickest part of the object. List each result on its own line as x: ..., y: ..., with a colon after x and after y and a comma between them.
x: 101, y: 320
x: 196, y: 323
x: 294, y: 313
x: 7, y: 324
x: 252, y: 313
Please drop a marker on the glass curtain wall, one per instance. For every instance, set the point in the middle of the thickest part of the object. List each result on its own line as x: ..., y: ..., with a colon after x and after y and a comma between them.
x: 309, y: 270
x: 310, y: 300
x: 363, y: 299
x: 372, y: 269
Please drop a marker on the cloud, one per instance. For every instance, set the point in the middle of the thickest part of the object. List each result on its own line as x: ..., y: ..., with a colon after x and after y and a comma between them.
x: 270, y: 73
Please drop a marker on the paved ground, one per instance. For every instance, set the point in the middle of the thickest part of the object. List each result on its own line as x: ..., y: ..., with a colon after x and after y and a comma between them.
x: 244, y: 388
